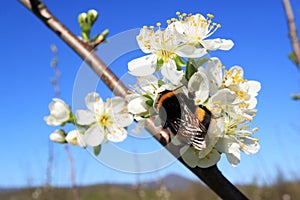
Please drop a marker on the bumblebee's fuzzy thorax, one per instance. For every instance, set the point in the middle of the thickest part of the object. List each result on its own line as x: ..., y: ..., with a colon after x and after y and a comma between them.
x: 168, y: 105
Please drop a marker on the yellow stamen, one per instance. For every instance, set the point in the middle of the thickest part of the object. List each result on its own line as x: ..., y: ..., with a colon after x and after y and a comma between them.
x: 210, y: 16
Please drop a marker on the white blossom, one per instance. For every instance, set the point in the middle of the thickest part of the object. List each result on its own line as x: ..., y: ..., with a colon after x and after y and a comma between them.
x: 59, y: 113
x: 196, y: 29
x: 104, y: 119
x: 58, y: 135
x: 75, y: 137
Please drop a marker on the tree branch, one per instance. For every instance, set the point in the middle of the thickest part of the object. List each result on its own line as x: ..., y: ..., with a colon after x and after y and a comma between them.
x: 211, y: 176
x: 293, y: 31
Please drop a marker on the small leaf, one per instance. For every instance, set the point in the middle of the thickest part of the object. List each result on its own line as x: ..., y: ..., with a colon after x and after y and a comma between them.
x: 160, y: 83
x: 150, y: 102
x: 147, y: 96
x: 179, y: 62
x: 296, y: 96
x: 292, y: 57
x: 159, y: 64
x: 97, y: 150
x: 190, y: 69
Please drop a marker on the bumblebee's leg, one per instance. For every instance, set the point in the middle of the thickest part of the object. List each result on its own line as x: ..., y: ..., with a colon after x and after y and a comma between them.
x: 165, y: 136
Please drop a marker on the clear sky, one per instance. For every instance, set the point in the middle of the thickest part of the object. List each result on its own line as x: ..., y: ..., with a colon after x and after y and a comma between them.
x: 260, y: 33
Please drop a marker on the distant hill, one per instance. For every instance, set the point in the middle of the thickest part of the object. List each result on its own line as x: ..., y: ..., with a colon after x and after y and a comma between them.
x: 171, y: 187
x: 171, y: 182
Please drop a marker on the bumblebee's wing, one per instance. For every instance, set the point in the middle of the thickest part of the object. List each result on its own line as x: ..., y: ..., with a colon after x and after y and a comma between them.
x: 192, y: 129
x: 189, y: 128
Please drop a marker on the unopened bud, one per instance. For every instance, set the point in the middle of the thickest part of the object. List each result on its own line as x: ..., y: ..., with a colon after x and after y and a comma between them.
x: 58, y: 136
x: 82, y: 18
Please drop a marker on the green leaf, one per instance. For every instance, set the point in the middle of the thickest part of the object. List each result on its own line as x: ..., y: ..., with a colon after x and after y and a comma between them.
x: 190, y: 69
x: 150, y: 101
x: 292, y: 57
x: 160, y: 83
x: 159, y: 64
x: 97, y: 150
x: 179, y: 62
x: 147, y: 96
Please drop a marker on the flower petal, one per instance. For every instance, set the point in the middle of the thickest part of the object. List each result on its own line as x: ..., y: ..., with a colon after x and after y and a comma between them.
x: 143, y: 66
x: 210, y: 159
x: 58, y: 136
x: 74, y: 137
x: 85, y: 117
x: 214, y: 74
x: 250, y: 145
x: 59, y: 112
x: 137, y: 105
x: 122, y: 120
x: 93, y: 99
x: 214, y: 44
x: 116, y: 134
x: 94, y: 135
x: 199, y: 83
x: 190, y: 51
x: 189, y: 156
x: 117, y: 104
x: 223, y: 97
x: 170, y: 72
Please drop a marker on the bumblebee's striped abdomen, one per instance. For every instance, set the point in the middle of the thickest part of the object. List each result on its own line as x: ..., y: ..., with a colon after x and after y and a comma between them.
x: 204, y: 115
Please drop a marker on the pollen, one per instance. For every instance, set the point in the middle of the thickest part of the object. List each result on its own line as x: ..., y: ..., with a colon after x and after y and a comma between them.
x: 140, y: 37
x: 210, y: 16
x: 177, y: 13
x: 104, y: 120
x: 145, y: 27
x: 168, y: 21
x: 158, y: 24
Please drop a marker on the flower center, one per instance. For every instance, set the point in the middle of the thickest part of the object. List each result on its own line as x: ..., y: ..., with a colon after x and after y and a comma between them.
x: 104, y: 120
x: 164, y: 55
x: 197, y: 27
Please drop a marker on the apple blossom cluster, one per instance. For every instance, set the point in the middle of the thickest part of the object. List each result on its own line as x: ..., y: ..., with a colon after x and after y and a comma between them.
x: 101, y: 122
x: 177, y: 57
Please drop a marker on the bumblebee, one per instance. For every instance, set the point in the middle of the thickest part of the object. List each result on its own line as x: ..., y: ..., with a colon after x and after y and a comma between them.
x: 183, y: 118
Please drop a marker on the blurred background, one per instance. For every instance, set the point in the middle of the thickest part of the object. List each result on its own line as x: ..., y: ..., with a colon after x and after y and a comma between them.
x: 259, y: 30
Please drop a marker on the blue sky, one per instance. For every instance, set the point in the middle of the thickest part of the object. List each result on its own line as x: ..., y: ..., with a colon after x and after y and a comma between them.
x: 258, y: 29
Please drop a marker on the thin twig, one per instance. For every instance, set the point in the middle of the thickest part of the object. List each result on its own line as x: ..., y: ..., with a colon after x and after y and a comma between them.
x: 55, y: 83
x: 211, y: 176
x: 72, y: 173
x: 293, y: 31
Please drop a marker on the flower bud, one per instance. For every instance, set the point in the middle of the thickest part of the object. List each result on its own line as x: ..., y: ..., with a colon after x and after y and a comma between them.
x: 58, y: 136
x: 82, y: 18
x: 59, y: 113
x: 92, y: 16
x: 75, y: 138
